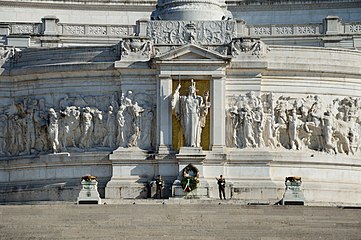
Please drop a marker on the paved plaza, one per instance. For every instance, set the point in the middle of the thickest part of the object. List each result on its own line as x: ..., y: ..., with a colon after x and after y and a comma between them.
x: 172, y: 220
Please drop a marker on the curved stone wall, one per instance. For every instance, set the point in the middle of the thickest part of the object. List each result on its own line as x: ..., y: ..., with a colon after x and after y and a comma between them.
x: 284, y: 80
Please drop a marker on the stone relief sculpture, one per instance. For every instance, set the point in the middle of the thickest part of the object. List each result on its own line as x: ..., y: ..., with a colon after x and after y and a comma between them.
x: 120, y: 125
x: 3, y: 134
x: 53, y: 130
x: 200, y: 32
x: 70, y: 126
x: 294, y: 123
x: 136, y: 46
x: 191, y: 111
x: 31, y: 126
x: 109, y: 139
x: 86, y: 127
x: 248, y: 46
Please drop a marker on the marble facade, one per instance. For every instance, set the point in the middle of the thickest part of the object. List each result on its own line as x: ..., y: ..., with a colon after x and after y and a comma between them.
x: 100, y: 99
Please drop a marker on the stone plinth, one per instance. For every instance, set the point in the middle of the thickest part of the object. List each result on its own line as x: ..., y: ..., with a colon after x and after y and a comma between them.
x: 293, y: 194
x: 89, y: 193
x: 190, y: 164
x: 133, y: 169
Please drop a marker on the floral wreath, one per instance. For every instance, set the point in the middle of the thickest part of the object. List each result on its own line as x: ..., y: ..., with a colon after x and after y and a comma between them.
x: 88, y: 178
x: 190, y: 178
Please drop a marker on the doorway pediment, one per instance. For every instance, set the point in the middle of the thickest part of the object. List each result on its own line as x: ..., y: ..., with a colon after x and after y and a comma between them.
x: 191, y: 52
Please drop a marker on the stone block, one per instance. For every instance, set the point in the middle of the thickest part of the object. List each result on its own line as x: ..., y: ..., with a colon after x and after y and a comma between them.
x: 89, y: 193
x: 293, y: 194
x: 20, y: 41
x: 332, y: 25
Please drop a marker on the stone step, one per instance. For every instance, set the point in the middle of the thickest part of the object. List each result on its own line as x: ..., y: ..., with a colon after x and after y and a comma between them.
x: 189, y: 220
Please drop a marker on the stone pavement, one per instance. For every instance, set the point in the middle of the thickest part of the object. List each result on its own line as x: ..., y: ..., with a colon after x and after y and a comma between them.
x: 135, y: 219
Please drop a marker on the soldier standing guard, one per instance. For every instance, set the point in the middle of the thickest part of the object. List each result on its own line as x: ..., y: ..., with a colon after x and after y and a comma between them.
x: 221, y: 181
x: 160, y: 184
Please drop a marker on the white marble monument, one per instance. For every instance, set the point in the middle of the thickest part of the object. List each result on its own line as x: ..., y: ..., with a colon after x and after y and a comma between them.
x: 203, y: 84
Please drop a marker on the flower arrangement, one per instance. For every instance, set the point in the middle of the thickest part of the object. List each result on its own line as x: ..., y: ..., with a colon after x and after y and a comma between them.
x: 88, y: 178
x: 293, y: 179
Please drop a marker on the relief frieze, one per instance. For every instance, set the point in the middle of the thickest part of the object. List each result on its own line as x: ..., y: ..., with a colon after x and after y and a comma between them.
x: 196, y: 32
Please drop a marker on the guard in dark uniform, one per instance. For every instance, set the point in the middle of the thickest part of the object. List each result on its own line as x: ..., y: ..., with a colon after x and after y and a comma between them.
x: 221, y: 181
x: 159, y: 184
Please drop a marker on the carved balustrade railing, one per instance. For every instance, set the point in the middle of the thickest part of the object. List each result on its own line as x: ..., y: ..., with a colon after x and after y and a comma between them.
x: 97, y: 30
x: 72, y: 29
x: 285, y: 30
x: 130, y: 30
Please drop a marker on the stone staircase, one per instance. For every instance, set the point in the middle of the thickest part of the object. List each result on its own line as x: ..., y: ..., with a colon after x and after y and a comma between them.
x: 172, y: 219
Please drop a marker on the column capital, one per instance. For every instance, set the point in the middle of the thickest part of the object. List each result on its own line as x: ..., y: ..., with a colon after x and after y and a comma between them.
x: 165, y: 77
x: 218, y: 77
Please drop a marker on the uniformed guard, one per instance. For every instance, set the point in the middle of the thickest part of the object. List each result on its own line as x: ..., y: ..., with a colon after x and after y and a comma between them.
x: 221, y: 181
x: 160, y: 185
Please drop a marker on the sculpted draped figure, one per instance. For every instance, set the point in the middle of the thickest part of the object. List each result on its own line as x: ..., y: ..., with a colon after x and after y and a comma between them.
x: 191, y: 111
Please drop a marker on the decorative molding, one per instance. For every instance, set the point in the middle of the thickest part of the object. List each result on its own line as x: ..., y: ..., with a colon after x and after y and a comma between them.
x: 118, y: 31
x: 281, y: 30
x: 97, y: 30
x: 353, y: 28
x: 26, y: 28
x: 73, y: 29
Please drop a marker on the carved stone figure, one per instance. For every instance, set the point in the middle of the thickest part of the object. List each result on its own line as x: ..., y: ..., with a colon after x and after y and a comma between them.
x: 248, y: 128
x: 270, y: 130
x: 120, y: 125
x: 258, y: 118
x: 188, y: 109
x: 327, y: 133
x: 86, y: 128
x: 40, y: 121
x: 71, y: 121
x: 30, y: 131
x: 293, y: 124
x: 109, y: 139
x: 129, y: 121
x: 53, y: 130
x: 134, y: 130
x: 99, y: 131
x: 3, y: 133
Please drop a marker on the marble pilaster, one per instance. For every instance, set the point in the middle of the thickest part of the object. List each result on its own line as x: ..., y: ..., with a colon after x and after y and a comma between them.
x: 164, y: 114
x: 218, y: 121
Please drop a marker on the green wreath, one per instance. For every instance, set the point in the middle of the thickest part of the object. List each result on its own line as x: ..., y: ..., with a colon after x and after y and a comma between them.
x: 190, y: 181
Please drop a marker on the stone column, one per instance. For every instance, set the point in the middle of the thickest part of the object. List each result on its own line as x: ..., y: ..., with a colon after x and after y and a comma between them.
x: 218, y: 121
x: 164, y: 114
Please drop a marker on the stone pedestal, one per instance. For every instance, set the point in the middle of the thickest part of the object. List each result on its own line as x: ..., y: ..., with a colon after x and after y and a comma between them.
x: 293, y: 194
x: 89, y: 193
x: 191, y: 157
x: 133, y: 169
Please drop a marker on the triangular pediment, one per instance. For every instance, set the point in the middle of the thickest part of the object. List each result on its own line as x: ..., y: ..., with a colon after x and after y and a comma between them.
x: 191, y: 52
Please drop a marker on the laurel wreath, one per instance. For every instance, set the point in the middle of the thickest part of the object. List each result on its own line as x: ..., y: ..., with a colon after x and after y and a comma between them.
x: 189, y: 183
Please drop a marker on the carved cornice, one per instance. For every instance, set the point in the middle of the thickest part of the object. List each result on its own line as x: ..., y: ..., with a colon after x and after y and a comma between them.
x: 142, y: 6
x: 235, y: 6
x: 149, y: 5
